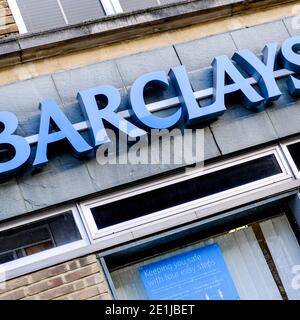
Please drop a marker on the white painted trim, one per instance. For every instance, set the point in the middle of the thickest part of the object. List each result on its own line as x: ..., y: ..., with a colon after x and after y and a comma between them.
x: 47, y: 257
x: 108, y: 7
x: 94, y: 240
x: 40, y: 260
x: 17, y: 16
x: 175, y: 212
x: 115, y: 240
x: 165, y: 104
x: 284, y: 147
x: 117, y: 6
x: 35, y: 217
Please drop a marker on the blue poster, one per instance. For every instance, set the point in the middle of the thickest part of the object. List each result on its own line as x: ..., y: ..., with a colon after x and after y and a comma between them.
x: 199, y: 274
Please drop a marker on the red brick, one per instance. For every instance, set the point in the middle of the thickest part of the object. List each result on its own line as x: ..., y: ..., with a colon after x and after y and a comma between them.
x: 87, y: 260
x: 105, y: 296
x: 85, y: 293
x: 56, y: 292
x: 94, y: 279
x: 50, y: 272
x: 45, y: 285
x: 73, y: 265
x: 8, y: 29
x: 13, y: 295
x: 81, y: 273
x: 15, y: 284
x: 78, y: 285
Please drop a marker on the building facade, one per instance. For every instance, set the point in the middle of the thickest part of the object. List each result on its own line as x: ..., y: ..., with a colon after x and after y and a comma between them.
x: 184, y: 118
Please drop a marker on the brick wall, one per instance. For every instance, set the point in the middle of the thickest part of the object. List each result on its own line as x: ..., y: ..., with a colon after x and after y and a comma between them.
x: 7, y: 22
x: 80, y: 279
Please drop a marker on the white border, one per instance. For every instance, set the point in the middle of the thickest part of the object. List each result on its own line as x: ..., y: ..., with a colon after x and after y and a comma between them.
x: 284, y: 146
x: 108, y: 7
x: 17, y: 16
x: 48, y: 257
x: 116, y: 5
x: 179, y: 212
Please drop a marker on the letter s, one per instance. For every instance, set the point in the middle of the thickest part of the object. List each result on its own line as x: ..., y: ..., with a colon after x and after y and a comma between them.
x: 291, y: 61
x: 20, y: 145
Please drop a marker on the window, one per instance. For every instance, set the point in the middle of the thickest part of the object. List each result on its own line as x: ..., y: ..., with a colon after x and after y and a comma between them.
x: 291, y: 149
x: 179, y: 201
x: 172, y: 197
x: 36, y: 15
x: 36, y: 237
x: 40, y: 240
x: 185, y: 191
x: 257, y: 259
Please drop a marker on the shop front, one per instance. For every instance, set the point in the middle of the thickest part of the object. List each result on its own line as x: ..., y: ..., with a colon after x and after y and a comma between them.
x: 160, y: 166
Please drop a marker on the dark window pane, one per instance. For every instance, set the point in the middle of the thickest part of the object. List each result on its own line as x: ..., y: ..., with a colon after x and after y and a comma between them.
x: 23, y: 237
x: 36, y: 237
x: 64, y: 229
x: 39, y: 15
x: 294, y: 150
x: 6, y: 257
x: 185, y: 191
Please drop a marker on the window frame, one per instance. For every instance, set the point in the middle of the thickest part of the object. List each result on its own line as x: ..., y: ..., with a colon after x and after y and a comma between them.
x: 284, y: 184
x: 166, y: 236
x: 47, y: 257
x: 109, y: 6
x: 284, y: 146
x: 184, y: 212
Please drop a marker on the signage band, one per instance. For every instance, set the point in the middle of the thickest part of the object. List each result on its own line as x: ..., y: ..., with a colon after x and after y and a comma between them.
x: 139, y: 119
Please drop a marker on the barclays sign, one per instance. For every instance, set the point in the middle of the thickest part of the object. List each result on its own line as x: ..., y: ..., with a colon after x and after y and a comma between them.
x: 140, y: 118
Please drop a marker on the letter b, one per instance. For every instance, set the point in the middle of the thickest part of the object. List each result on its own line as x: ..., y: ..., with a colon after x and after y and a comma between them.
x: 20, y: 145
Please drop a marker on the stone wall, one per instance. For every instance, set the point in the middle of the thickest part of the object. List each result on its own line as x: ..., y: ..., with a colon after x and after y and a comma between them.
x: 79, y: 279
x: 7, y: 21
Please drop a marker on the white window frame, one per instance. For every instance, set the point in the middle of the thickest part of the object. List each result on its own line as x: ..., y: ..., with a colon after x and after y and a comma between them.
x: 110, y: 7
x: 284, y: 145
x: 47, y: 257
x: 182, y: 213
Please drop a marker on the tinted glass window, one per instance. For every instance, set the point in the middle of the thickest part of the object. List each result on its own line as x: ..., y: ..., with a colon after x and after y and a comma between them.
x: 185, y: 191
x: 294, y: 150
x: 36, y: 237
